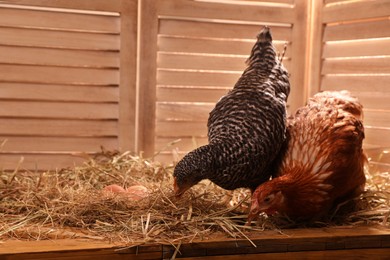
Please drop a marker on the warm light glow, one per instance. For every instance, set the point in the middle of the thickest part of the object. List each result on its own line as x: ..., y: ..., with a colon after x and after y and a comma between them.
x: 61, y: 10
x: 243, y: 2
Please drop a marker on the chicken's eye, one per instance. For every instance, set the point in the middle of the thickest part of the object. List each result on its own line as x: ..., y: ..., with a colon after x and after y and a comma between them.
x: 268, y: 198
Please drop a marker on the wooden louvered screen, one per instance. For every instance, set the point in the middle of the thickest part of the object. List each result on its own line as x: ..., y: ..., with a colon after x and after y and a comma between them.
x: 354, y: 54
x: 67, y: 80
x: 193, y: 52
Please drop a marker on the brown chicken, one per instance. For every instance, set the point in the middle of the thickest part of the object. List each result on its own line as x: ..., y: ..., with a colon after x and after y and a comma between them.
x: 323, y: 163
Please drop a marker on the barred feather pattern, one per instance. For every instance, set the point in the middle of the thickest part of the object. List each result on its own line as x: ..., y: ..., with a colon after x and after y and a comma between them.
x: 246, y: 128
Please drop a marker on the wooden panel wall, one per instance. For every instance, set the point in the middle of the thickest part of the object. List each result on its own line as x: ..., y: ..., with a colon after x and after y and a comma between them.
x: 354, y: 54
x: 70, y: 81
x: 194, y: 52
x: 67, y: 80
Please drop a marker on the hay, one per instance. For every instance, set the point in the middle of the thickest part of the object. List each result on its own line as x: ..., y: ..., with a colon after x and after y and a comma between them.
x: 70, y: 203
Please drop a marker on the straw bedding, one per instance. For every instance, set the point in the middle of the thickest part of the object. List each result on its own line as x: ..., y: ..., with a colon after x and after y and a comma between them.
x: 71, y: 203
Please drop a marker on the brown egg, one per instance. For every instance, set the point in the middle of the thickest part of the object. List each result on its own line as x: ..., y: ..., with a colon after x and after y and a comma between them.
x: 137, y: 192
x: 114, y: 188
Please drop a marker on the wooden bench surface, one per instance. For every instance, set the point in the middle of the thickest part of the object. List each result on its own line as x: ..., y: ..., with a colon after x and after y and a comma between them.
x: 346, y: 242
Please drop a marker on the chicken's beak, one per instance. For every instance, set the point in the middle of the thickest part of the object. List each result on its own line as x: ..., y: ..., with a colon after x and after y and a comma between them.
x: 178, y: 190
x: 254, y: 212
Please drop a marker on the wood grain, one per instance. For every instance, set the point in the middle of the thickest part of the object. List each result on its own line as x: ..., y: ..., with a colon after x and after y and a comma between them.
x: 183, y: 112
x: 377, y: 118
x: 184, y: 145
x: 204, y: 63
x: 178, y: 129
x: 58, y: 110
x: 67, y: 79
x: 368, y: 47
x: 195, y: 62
x: 374, y: 83
x: 187, y: 78
x: 147, y: 70
x: 377, y: 136
x: 357, y: 66
x: 212, y: 46
x: 59, y: 39
x: 34, y: 144
x: 50, y: 92
x: 192, y: 9
x: 199, y: 29
x: 299, y: 78
x: 59, y: 57
x: 190, y: 94
x: 57, y: 127
x: 348, y: 243
x: 16, y: 17
x: 128, y: 77
x: 39, y: 162
x: 58, y: 75
x: 366, y: 9
x: 98, y: 5
x: 354, y: 31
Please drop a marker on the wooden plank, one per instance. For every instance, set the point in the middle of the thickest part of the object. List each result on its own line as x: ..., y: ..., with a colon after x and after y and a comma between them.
x: 377, y: 118
x: 57, y: 127
x: 44, y: 92
x: 335, y: 1
x: 252, y: 2
x: 185, y: 144
x: 33, y: 144
x: 374, y: 83
x: 16, y: 17
x: 299, y: 78
x: 58, y: 39
x: 147, y: 69
x: 379, y: 156
x: 58, y: 75
x: 212, y: 46
x: 374, y: 100
x: 207, y: 10
x: 270, y: 244
x: 128, y: 76
x: 356, y: 66
x: 314, y: 48
x: 168, y: 158
x: 195, y: 62
x: 183, y: 94
x: 204, y: 62
x: 379, y: 137
x: 189, y: 78
x: 358, y: 48
x: 89, y: 255
x: 58, y: 110
x: 327, y: 254
x: 267, y: 1
x: 35, y: 162
x: 299, y: 240
x: 198, y: 29
x: 180, y: 129
x: 98, y: 5
x: 59, y: 57
x: 353, y: 31
x: 77, y: 249
x: 183, y: 112
x: 361, y: 10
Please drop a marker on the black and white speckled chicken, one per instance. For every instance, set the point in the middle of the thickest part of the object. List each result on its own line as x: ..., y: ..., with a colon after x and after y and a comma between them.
x: 246, y: 128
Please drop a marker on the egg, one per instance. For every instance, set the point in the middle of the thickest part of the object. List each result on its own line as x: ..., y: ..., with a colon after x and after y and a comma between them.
x: 113, y: 188
x: 137, y: 192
